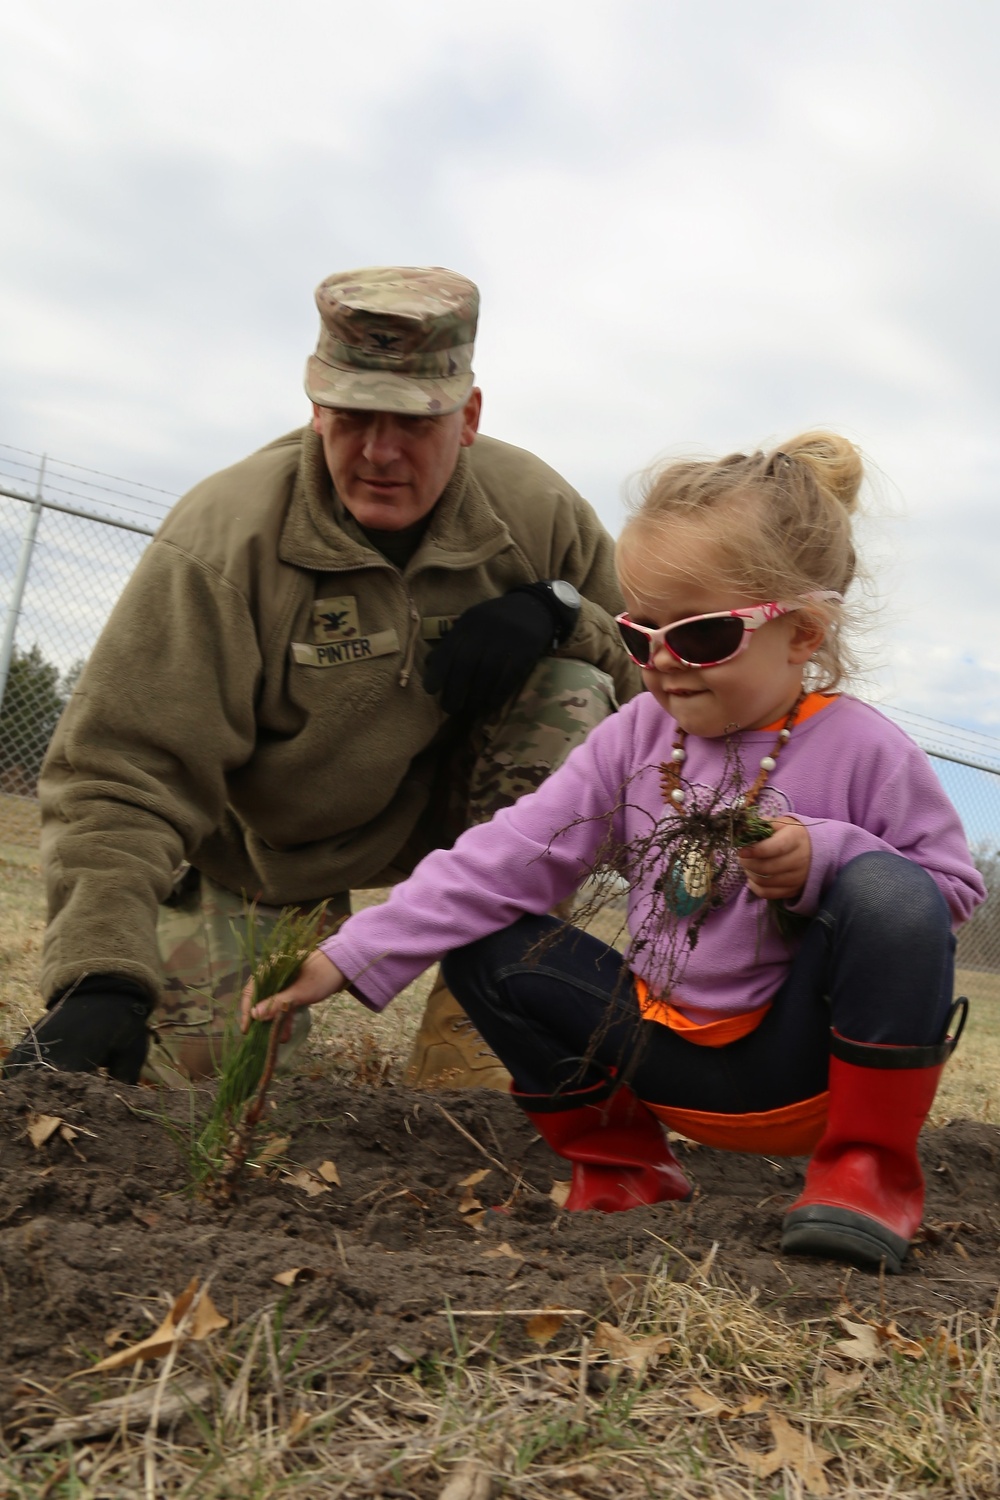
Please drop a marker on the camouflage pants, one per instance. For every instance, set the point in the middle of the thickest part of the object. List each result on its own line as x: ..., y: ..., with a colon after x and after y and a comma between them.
x: 202, y: 962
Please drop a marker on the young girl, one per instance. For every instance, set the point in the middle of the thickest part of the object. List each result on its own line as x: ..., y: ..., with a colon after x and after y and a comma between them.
x: 790, y: 996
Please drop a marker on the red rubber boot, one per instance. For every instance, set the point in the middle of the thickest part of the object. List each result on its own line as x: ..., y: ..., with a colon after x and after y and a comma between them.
x: 864, y: 1190
x: 618, y: 1149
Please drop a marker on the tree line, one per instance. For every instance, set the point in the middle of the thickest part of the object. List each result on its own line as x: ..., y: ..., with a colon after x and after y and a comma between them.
x: 35, y: 695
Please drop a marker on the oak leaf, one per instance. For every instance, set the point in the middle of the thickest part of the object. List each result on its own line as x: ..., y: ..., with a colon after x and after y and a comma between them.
x: 294, y: 1274
x: 475, y: 1178
x: 191, y: 1316
x: 637, y: 1352
x: 41, y: 1127
x: 502, y: 1251
x: 559, y: 1192
x: 793, y: 1450
x: 307, y: 1181
x: 544, y: 1326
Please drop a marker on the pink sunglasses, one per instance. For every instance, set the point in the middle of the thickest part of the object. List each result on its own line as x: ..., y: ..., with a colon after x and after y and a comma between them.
x: 707, y: 640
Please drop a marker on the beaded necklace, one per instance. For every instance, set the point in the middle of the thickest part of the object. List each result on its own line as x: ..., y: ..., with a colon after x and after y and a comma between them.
x: 670, y: 770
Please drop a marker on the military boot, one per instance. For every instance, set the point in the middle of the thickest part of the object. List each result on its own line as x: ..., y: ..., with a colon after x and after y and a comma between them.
x: 448, y: 1052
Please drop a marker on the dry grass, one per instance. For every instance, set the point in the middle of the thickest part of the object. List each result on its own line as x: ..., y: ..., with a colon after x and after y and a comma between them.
x: 22, y: 922
x: 731, y: 1383
x: 734, y: 1403
x: 19, y: 821
x: 345, y: 1036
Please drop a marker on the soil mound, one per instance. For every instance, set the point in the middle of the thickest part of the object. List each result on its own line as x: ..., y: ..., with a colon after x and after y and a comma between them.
x: 95, y: 1227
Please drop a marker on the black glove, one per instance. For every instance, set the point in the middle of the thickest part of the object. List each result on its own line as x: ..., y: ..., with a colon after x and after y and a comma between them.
x: 98, y: 1023
x: 488, y: 653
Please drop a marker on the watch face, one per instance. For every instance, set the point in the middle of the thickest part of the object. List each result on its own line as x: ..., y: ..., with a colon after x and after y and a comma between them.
x: 565, y: 593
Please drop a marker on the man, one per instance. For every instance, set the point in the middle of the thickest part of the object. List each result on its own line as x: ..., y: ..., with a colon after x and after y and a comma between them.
x: 332, y: 657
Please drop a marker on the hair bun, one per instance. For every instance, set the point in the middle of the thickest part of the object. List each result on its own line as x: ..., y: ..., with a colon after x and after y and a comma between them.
x: 835, y: 464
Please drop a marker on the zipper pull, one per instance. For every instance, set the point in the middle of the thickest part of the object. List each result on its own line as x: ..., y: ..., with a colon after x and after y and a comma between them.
x: 411, y: 646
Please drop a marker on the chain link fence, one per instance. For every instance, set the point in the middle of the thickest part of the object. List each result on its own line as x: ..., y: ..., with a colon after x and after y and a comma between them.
x: 70, y: 537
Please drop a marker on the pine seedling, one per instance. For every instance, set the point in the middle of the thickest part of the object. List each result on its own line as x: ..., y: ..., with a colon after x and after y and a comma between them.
x: 273, y: 961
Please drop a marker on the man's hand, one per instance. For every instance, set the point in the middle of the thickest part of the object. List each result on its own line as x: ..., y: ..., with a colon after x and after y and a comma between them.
x: 317, y: 980
x: 489, y: 652
x: 99, y: 1023
x: 777, y: 868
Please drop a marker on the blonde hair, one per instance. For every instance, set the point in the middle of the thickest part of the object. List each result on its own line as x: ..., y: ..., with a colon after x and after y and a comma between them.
x: 779, y: 524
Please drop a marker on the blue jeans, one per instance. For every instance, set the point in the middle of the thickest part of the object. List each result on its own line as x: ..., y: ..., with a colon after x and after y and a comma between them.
x: 876, y: 964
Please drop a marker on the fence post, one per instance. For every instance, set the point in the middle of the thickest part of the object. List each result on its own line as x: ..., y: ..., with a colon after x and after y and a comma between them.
x: 21, y: 578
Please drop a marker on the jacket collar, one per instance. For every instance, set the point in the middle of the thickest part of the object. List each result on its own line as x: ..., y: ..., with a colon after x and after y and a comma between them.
x: 320, y: 534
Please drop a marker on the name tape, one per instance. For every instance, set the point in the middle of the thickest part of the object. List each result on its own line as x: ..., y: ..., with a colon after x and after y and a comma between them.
x: 341, y: 653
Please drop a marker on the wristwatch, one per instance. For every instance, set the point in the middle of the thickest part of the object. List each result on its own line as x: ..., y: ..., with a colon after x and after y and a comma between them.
x: 567, y: 602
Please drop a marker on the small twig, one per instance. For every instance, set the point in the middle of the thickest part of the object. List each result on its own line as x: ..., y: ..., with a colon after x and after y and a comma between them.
x: 149, y: 1441
x: 482, y: 1149
x: 340, y: 1249
x: 235, y: 1406
x: 277, y: 1382
x: 511, y: 1312
x: 580, y: 1413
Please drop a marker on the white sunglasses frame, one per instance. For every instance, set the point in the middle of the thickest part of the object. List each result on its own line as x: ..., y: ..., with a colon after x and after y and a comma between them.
x: 753, y: 617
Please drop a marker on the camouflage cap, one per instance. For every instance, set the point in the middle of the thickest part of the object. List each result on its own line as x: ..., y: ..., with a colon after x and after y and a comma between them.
x: 394, y: 338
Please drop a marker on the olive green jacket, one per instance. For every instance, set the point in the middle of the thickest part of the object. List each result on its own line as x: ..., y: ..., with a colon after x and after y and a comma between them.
x: 255, y: 704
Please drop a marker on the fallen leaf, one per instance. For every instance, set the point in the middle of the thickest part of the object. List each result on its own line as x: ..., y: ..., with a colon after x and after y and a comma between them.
x: 863, y: 1343
x: 477, y: 1219
x: 294, y: 1274
x: 936, y: 1231
x: 559, y: 1192
x: 207, y: 1318
x: 637, y: 1352
x: 889, y: 1334
x: 840, y: 1382
x: 709, y: 1406
x: 544, y: 1326
x: 299, y: 1422
x: 272, y: 1149
x: 307, y: 1181
x: 962, y: 1250
x: 114, y: 1336
x: 941, y: 1344
x: 793, y: 1450
x: 502, y: 1251
x: 474, y: 1178
x: 868, y: 1341
x: 712, y: 1406
x: 40, y: 1127
x: 470, y: 1481
x: 173, y: 1331
x: 328, y: 1171
x: 675, y: 1137
x: 468, y: 1203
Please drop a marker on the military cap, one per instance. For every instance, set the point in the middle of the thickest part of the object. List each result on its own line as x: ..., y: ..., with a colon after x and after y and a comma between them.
x: 394, y: 338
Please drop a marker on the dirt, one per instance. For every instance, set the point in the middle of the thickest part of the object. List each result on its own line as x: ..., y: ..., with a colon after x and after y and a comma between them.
x: 96, y: 1229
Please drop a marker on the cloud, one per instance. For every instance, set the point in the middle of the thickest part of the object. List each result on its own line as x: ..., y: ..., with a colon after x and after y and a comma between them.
x: 694, y: 227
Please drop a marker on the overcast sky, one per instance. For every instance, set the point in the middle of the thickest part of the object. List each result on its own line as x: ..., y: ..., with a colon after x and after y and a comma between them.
x: 695, y: 226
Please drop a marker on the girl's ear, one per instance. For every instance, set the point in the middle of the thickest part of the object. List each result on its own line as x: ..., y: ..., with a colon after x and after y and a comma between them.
x: 808, y: 634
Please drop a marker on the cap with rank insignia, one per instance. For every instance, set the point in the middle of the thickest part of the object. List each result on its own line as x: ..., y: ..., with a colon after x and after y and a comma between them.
x: 394, y: 338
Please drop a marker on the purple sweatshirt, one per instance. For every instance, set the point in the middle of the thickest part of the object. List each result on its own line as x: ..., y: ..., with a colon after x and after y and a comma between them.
x: 855, y: 780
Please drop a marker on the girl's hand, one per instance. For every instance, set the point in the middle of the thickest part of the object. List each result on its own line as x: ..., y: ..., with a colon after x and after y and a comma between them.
x: 777, y: 868
x: 317, y: 979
